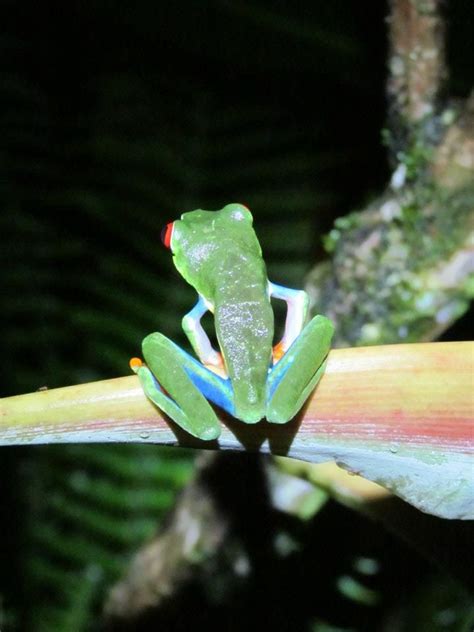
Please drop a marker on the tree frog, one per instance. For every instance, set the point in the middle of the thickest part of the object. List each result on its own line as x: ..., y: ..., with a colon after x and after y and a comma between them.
x: 218, y: 253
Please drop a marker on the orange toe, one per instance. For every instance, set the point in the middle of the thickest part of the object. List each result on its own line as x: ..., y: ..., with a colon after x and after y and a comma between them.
x: 278, y: 352
x: 135, y: 363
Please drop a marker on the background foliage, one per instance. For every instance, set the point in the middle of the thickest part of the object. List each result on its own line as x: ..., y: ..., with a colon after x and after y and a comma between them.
x: 114, y: 119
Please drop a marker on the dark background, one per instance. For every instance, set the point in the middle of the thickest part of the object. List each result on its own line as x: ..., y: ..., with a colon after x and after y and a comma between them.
x: 114, y: 119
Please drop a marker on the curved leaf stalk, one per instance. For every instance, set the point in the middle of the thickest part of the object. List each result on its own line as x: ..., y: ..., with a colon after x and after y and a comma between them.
x: 399, y: 415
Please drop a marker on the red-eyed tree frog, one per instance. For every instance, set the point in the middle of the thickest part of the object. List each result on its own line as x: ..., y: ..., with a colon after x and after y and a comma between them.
x: 218, y: 253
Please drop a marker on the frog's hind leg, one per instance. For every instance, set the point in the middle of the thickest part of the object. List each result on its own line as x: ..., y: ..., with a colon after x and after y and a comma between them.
x: 293, y: 377
x: 180, y: 386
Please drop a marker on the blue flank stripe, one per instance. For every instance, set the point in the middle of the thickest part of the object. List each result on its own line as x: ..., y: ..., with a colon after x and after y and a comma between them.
x: 221, y: 395
x: 277, y: 380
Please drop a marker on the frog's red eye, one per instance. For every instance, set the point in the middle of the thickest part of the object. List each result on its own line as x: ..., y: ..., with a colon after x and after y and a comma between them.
x: 167, y: 233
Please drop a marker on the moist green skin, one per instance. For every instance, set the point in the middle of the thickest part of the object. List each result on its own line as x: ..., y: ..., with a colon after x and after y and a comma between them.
x: 218, y: 253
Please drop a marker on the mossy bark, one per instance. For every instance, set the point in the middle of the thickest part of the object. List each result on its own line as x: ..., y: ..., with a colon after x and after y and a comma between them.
x: 402, y: 269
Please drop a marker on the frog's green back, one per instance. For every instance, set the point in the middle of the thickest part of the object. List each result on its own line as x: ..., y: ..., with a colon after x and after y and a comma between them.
x: 219, y: 254
x: 244, y: 325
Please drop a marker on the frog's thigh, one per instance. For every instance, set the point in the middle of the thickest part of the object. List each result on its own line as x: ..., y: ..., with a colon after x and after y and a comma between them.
x: 187, y: 384
x: 293, y: 378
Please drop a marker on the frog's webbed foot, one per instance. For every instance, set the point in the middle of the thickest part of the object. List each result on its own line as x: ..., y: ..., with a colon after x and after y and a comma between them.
x: 179, y: 385
x: 292, y: 379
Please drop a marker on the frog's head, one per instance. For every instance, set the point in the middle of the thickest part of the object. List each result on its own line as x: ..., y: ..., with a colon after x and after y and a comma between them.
x: 201, y: 242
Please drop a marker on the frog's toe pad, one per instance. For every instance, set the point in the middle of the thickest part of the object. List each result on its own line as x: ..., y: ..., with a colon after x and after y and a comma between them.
x: 210, y: 434
x: 135, y: 364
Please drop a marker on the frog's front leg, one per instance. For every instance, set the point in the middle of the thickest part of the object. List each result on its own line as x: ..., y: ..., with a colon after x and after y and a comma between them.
x: 199, y: 340
x: 180, y: 386
x: 302, y: 364
x: 297, y: 308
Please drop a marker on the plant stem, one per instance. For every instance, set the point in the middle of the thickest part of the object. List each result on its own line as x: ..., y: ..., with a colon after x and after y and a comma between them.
x: 396, y: 414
